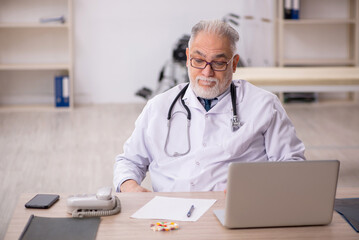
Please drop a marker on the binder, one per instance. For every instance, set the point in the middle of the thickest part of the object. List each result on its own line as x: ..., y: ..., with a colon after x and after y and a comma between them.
x: 62, y: 91
x: 291, y: 9
x: 287, y: 9
x: 295, y: 9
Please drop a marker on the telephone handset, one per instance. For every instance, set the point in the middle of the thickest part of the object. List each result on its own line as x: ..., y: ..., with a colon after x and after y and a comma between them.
x: 94, y: 205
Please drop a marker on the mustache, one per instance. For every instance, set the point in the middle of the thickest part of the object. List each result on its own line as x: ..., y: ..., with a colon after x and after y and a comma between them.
x: 208, y: 79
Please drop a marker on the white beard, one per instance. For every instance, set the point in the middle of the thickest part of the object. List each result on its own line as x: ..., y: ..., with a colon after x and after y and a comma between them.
x: 209, y: 92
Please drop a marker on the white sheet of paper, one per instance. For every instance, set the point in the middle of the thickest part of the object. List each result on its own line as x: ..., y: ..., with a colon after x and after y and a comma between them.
x: 176, y: 209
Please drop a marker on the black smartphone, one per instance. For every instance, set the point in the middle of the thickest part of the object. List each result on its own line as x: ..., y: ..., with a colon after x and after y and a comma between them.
x: 42, y: 201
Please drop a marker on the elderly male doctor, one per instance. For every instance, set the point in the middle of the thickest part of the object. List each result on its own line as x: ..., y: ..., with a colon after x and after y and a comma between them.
x: 194, y: 151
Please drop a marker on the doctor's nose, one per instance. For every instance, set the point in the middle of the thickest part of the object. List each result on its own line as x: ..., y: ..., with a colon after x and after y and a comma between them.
x: 208, y: 71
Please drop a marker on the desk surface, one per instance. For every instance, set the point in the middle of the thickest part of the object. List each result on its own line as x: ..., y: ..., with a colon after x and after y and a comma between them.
x: 299, y: 75
x: 121, y: 226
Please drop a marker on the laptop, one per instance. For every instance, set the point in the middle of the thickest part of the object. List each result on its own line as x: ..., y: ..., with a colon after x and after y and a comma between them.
x: 276, y: 194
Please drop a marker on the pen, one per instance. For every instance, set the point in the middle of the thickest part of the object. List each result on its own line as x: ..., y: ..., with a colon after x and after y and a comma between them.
x: 190, y: 211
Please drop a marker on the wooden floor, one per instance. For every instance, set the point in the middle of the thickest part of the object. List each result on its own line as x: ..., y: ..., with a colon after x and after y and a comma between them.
x: 51, y: 152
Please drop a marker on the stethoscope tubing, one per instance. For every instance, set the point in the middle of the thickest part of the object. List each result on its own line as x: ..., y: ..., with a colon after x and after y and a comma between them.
x: 189, y: 116
x: 235, y: 120
x: 180, y: 95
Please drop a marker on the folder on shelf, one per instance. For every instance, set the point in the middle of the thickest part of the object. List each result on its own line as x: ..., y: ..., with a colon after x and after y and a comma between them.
x: 62, y: 91
x: 291, y: 9
x: 287, y: 9
x: 295, y: 9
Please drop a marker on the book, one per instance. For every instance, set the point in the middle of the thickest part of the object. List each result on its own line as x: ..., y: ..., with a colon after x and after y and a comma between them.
x: 62, y: 91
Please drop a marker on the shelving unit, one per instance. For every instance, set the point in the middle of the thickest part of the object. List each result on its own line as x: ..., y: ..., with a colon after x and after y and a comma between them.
x: 33, y: 53
x: 325, y: 35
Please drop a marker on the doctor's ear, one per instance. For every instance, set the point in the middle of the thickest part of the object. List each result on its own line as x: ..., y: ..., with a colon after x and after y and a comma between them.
x: 187, y: 54
x: 235, y: 62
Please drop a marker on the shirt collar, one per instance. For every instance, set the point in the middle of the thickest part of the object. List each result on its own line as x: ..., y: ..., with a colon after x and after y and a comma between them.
x: 191, y: 99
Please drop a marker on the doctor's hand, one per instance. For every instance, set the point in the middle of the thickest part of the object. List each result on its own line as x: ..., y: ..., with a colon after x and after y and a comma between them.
x: 132, y: 186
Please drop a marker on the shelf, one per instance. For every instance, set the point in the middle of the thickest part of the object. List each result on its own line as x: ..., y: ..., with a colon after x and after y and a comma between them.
x: 318, y: 21
x: 300, y: 76
x: 317, y: 62
x: 34, y: 25
x: 47, y: 66
x: 33, y: 52
x: 325, y: 35
x: 32, y: 108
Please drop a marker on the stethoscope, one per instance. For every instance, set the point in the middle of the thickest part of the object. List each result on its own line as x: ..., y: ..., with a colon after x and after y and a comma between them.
x: 234, y: 120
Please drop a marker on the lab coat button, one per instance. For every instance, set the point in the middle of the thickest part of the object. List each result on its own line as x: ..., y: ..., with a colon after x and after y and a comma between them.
x: 204, y: 144
x: 197, y: 163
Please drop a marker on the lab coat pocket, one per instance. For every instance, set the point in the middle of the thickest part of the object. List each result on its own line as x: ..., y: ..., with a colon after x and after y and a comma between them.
x: 247, y: 143
x: 239, y: 141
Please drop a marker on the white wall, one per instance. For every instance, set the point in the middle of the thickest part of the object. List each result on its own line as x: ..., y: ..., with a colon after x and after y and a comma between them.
x: 120, y: 46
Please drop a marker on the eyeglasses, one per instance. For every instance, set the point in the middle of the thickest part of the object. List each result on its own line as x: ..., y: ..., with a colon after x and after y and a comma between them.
x: 215, y: 65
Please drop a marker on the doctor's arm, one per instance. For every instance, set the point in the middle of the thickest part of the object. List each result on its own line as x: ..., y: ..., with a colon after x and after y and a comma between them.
x: 131, y: 185
x: 129, y: 171
x: 281, y: 141
x: 131, y: 166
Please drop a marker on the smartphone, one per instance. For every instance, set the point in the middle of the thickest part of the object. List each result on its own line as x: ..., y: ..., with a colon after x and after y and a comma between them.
x: 42, y: 201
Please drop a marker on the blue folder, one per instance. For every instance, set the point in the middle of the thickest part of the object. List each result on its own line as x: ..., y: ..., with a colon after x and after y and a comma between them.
x: 62, y: 85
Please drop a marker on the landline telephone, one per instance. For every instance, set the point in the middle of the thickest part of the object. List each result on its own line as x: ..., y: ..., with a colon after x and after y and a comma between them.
x: 94, y: 205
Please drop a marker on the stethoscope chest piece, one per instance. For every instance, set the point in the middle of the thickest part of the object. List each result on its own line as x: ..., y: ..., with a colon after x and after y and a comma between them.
x: 235, y: 123
x: 235, y: 120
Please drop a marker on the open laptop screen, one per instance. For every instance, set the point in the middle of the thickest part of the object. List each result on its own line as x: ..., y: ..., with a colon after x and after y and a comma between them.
x: 269, y: 194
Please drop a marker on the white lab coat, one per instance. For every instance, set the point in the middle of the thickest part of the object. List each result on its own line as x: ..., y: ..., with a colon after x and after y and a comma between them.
x: 266, y: 134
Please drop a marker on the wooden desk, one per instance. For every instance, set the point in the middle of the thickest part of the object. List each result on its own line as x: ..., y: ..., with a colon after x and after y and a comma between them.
x: 302, y: 79
x: 121, y: 226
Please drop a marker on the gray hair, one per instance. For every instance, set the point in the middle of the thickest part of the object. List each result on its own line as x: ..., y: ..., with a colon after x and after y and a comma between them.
x: 217, y: 27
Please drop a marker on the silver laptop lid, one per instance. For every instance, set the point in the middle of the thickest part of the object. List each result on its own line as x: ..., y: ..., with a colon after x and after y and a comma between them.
x: 267, y: 194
